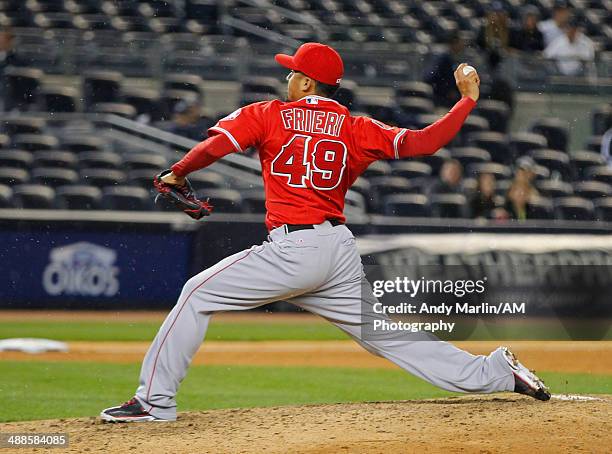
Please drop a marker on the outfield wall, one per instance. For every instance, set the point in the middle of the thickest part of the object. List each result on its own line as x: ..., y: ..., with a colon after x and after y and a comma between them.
x: 120, y: 260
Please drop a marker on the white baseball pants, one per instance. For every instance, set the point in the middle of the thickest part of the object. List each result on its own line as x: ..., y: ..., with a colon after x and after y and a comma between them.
x: 319, y: 270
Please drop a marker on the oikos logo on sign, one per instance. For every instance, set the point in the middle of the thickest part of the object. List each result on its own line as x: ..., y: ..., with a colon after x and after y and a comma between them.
x: 81, y: 269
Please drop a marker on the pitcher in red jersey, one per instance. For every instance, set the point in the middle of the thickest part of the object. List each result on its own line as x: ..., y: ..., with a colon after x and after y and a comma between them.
x: 311, y: 151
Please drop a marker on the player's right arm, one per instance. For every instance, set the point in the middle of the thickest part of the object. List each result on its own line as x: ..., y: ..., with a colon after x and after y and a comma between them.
x: 236, y: 132
x: 379, y: 141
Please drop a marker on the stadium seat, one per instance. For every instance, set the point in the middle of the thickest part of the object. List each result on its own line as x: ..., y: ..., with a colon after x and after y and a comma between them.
x: 6, y: 196
x: 34, y: 142
x: 54, y: 176
x: 436, y: 160
x: 207, y: 179
x: 470, y: 155
x: 101, y: 87
x: 142, y: 178
x: 424, y: 120
x: 223, y: 200
x: 250, y: 98
x: 22, y: 87
x: 84, y: 143
x: 603, y: 209
x: 593, y: 143
x: 23, y: 125
x: 170, y: 98
x: 410, y: 169
x: 555, y: 130
x: 99, y: 160
x: 502, y: 186
x: 377, y: 169
x: 601, y: 119
x: 269, y: 85
x: 602, y: 174
x: 495, y: 143
x: 541, y: 172
x: 384, y: 110
x: 33, y: 196
x: 64, y: 159
x: 15, y: 158
x: 555, y: 161
x: 592, y: 190
x: 554, y: 188
x: 499, y: 171
x: 78, y: 197
x: 473, y: 126
x: 574, y: 209
x: 414, y: 88
x: 409, y: 205
x: 4, y: 141
x: 144, y: 101
x: 355, y: 203
x: 102, y: 178
x: 522, y: 143
x: 183, y: 82
x: 414, y: 105
x: 60, y: 99
x: 116, y: 108
x: 135, y: 161
x: 540, y: 208
x: 254, y: 201
x: 582, y: 160
x: 497, y: 114
x: 13, y: 175
x: 386, y: 185
x: 449, y: 206
x: 362, y: 186
x: 346, y: 94
x: 126, y: 198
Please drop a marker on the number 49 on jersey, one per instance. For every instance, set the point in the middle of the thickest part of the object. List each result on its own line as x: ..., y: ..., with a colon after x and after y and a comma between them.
x: 319, y: 165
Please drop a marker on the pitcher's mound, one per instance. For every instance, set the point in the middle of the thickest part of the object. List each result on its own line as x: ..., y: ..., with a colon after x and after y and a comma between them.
x: 488, y: 424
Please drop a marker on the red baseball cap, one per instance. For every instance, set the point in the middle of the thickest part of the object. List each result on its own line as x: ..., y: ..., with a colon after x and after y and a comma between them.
x: 316, y: 60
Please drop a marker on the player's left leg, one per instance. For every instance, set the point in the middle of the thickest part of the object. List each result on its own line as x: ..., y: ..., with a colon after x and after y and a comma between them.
x: 347, y: 301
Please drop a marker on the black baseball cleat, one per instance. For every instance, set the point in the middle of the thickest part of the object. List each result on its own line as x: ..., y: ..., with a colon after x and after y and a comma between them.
x: 525, y: 381
x: 130, y: 411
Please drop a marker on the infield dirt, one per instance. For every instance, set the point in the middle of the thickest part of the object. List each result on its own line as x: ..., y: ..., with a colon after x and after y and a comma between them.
x: 504, y: 423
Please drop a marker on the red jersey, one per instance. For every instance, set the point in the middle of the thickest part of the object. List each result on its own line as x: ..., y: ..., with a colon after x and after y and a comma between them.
x: 311, y: 152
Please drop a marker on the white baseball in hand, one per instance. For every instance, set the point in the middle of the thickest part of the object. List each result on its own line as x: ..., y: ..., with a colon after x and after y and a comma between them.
x: 468, y: 69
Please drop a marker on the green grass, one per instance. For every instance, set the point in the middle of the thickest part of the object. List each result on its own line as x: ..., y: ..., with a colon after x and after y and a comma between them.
x: 145, y: 331
x: 45, y: 390
x: 249, y: 331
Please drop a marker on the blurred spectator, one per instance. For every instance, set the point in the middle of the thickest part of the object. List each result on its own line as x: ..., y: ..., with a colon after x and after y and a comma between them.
x: 449, y: 182
x: 8, y: 57
x: 187, y: 121
x: 482, y: 203
x: 441, y: 73
x: 572, y: 50
x: 495, y: 85
x: 517, y: 201
x: 524, y: 171
x: 606, y: 145
x: 494, y: 35
x: 521, y: 191
x: 553, y: 28
x: 527, y: 37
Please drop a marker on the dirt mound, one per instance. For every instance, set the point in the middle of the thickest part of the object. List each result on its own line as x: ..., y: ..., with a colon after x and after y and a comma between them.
x: 488, y: 424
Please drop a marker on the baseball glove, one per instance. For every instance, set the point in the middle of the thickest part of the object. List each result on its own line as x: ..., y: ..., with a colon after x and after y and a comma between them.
x: 182, y: 197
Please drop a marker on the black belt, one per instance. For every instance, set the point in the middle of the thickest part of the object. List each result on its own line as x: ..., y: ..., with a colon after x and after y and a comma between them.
x: 295, y: 227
